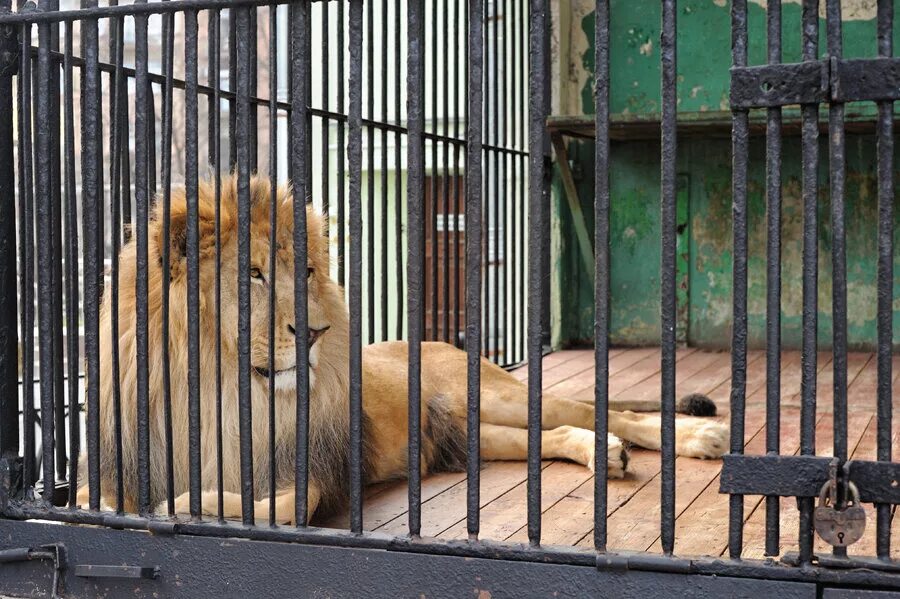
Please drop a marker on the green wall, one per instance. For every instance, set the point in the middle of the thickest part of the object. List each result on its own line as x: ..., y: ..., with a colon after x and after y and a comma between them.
x: 704, y: 164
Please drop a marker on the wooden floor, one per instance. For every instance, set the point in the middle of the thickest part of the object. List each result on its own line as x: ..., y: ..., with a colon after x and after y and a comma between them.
x: 701, y: 526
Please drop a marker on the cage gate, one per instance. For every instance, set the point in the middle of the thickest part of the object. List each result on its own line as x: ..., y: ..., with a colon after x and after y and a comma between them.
x: 444, y: 237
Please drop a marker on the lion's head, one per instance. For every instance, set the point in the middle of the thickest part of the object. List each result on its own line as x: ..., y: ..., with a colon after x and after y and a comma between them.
x: 327, y: 336
x: 327, y: 316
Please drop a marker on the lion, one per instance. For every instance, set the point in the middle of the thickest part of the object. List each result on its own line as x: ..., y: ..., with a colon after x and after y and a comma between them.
x: 567, y: 424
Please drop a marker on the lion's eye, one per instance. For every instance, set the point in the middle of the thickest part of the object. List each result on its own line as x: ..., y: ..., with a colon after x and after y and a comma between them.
x: 256, y: 273
x: 310, y: 272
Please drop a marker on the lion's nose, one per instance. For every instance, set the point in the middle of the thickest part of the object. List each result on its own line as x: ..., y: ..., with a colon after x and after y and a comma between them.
x: 314, y: 335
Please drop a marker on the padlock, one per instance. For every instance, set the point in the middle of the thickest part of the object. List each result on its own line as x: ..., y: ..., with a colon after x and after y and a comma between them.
x: 839, y: 528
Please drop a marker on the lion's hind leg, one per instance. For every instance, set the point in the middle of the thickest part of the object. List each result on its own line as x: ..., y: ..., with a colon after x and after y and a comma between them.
x: 563, y: 442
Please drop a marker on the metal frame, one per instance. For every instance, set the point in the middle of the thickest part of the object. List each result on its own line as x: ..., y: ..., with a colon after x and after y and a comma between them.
x: 146, y: 554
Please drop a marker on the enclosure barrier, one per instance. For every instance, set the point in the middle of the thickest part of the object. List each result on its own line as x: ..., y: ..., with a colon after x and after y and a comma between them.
x: 45, y: 195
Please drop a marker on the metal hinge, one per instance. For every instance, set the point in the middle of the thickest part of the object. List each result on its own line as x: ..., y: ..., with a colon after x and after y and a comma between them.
x: 803, y: 476
x: 54, y: 552
x: 815, y: 82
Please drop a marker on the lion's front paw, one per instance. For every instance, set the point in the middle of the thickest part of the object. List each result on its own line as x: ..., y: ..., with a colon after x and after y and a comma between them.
x: 616, y: 457
x: 696, y: 438
x: 616, y: 452
x: 209, y: 504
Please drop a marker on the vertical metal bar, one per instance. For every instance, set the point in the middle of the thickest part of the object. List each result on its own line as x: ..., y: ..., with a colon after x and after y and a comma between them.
x: 433, y: 179
x: 513, y: 183
x: 457, y: 183
x: 26, y: 253
x: 273, y: 227
x: 885, y: 130
x: 44, y: 197
x: 243, y: 40
x: 9, y: 339
x: 116, y: 144
x: 668, y: 190
x: 398, y: 157
x: 354, y: 151
x: 537, y: 113
x: 524, y: 42
x: 474, y: 192
x: 326, y: 122
x: 299, y: 164
x: 494, y: 262
x: 142, y: 202
x: 168, y: 68
x: 415, y: 192
x: 601, y: 269
x: 341, y: 134
x: 836, y: 164
x: 370, y: 175
x: 739, y: 148
x: 809, y: 176
x: 488, y: 174
x: 215, y: 32
x: 384, y: 171
x: 773, y: 277
x: 73, y: 362
x: 254, y: 109
x: 445, y: 179
x: 192, y: 226
x: 59, y: 392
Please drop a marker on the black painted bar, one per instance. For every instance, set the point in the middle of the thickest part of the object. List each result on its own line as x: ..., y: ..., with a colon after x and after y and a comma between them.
x: 192, y: 225
x: 809, y: 176
x: 601, y: 269
x: 9, y: 338
x: 26, y: 251
x: 538, y: 107
x: 885, y: 150
x: 45, y: 297
x: 474, y: 136
x: 354, y: 154
x: 415, y: 206
x: 142, y: 203
x: 773, y: 277
x: 166, y: 194
x: 73, y: 362
x: 273, y: 227
x: 668, y: 190
x: 243, y: 38
x: 299, y: 137
x: 739, y: 144
x: 119, y: 119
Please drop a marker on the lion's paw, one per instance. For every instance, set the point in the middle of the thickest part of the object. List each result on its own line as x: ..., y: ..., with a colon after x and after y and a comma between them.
x: 698, y: 438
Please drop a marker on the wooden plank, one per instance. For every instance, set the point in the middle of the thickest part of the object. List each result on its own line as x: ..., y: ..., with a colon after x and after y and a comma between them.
x: 709, y: 378
x: 642, y: 360
x: 702, y: 528
x: 388, y: 501
x: 636, y: 525
x: 756, y: 376
x: 552, y: 361
x: 449, y: 507
x: 649, y: 388
x: 583, y: 389
x: 508, y: 513
x: 572, y: 518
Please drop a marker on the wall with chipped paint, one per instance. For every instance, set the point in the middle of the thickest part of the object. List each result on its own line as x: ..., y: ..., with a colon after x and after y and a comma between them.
x: 703, y: 61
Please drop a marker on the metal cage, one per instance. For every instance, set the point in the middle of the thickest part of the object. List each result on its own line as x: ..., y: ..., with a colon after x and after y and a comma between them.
x: 457, y: 249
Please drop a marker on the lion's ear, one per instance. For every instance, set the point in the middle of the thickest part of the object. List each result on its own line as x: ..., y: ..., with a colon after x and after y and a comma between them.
x: 178, y: 228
